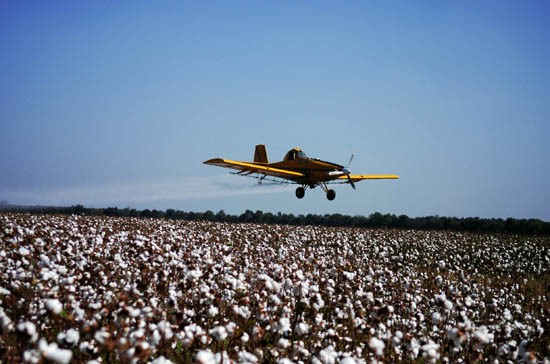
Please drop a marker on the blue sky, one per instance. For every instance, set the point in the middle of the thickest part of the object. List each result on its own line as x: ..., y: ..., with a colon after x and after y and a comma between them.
x: 118, y: 103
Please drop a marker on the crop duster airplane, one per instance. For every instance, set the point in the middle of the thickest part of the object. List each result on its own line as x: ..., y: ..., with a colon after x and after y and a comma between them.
x: 297, y: 168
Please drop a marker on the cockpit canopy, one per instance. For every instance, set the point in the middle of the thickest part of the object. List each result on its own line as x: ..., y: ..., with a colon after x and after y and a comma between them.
x: 295, y: 153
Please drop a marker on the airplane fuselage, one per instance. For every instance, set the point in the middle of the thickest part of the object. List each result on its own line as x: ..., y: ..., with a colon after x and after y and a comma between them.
x: 315, y: 170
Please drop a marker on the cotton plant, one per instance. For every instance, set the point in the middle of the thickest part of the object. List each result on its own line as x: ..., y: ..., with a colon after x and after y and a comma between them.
x: 94, y: 289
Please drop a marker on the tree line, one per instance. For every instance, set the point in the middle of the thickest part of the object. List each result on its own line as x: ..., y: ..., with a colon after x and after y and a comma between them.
x: 375, y: 220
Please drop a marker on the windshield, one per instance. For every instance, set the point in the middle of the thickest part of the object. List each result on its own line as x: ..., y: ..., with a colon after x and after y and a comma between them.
x: 294, y: 153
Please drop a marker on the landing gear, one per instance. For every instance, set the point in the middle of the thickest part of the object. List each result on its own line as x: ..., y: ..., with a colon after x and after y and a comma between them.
x: 331, y: 195
x: 301, y: 191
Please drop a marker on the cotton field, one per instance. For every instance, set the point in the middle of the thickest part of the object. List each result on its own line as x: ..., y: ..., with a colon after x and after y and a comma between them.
x: 127, y: 290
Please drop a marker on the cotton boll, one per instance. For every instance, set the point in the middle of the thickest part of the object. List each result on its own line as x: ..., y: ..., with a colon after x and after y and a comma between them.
x: 436, y: 318
x: 219, y: 333
x: 328, y: 355
x: 23, y: 251
x: 165, y: 329
x: 69, y: 338
x: 347, y: 360
x: 101, y: 336
x: 6, y: 324
x: 430, y: 351
x: 205, y: 357
x: 28, y: 330
x: 377, y: 346
x: 283, y: 343
x: 230, y: 327
x: 54, y: 306
x: 161, y: 360
x: 212, y: 311
x: 483, y: 336
x: 283, y: 326
x: 247, y: 358
x: 301, y: 328
x: 53, y: 353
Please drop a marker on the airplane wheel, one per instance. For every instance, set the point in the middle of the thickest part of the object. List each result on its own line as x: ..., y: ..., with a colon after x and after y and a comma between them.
x: 331, y: 195
x: 300, y: 192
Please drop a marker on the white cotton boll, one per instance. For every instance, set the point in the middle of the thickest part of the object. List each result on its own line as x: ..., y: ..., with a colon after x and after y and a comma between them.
x: 245, y: 337
x: 457, y: 336
x: 23, y: 251
x: 69, y: 338
x: 205, y: 357
x: 414, y: 348
x: 193, y: 275
x: 53, y: 353
x: 161, y: 360
x: 101, y: 336
x: 436, y: 317
x: 397, y: 338
x: 283, y: 343
x: 29, y: 329
x: 483, y: 336
x: 347, y: 360
x: 288, y: 285
x: 166, y: 330
x: 247, y: 358
x: 507, y: 315
x: 133, y: 312
x: 328, y: 355
x: 54, y: 305
x: 349, y: 275
x: 212, y: 311
x: 230, y: 327
x: 275, y: 299
x: 319, y: 303
x: 285, y: 361
x: 242, y: 311
x: 155, y: 338
x: 430, y: 351
x: 219, y: 333
x: 222, y: 358
x: 301, y: 328
x: 283, y: 326
x: 377, y: 345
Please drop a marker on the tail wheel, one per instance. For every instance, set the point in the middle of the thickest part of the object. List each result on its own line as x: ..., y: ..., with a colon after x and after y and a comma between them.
x: 331, y: 195
x: 300, y: 192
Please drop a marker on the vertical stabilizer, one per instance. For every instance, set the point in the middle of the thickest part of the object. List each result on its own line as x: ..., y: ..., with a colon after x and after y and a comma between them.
x: 260, y: 155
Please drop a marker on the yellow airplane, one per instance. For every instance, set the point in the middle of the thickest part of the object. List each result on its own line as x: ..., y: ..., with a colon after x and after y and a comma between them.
x: 297, y: 168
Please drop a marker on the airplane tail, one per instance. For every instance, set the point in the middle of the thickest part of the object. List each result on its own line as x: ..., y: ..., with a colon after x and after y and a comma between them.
x: 260, y: 155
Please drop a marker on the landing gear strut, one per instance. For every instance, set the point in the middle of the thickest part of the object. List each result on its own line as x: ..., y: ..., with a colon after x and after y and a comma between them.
x: 300, y: 192
x: 331, y: 195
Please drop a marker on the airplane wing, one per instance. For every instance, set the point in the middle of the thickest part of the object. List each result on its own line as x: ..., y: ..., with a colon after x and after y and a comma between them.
x: 360, y: 177
x: 249, y: 168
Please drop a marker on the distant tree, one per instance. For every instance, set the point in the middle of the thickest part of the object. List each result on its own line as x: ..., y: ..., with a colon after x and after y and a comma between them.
x: 209, y: 216
x: 170, y: 213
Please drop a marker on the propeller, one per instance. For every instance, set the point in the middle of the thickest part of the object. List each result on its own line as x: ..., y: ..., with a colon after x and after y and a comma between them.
x: 347, y: 172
